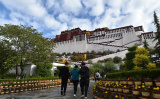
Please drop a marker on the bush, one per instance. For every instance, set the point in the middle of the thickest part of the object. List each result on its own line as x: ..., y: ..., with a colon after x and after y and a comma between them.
x: 108, y: 59
x: 117, y: 59
x: 98, y: 65
x: 10, y: 76
x: 109, y: 67
x: 44, y: 69
x: 94, y: 69
x: 151, y: 73
x: 90, y: 56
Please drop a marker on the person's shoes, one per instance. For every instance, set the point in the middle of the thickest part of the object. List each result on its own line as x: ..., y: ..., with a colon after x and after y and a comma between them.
x: 64, y: 94
x: 85, y: 97
x: 61, y: 92
x: 82, y: 96
x: 74, y: 95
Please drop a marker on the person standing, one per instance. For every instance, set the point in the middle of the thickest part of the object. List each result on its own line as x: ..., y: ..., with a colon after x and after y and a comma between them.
x: 75, y: 78
x: 84, y: 81
x: 64, y: 75
x: 102, y: 74
x: 97, y: 76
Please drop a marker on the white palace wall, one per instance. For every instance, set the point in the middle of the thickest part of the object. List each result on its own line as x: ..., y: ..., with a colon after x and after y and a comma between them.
x: 111, y: 40
x: 70, y: 47
x: 130, y: 37
x: 121, y: 54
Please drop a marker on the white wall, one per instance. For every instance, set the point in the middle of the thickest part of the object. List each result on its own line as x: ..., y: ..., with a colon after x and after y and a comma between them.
x: 76, y: 46
x: 121, y: 54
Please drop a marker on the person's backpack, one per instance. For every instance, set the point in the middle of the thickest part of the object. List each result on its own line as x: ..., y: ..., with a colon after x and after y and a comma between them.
x: 97, y: 75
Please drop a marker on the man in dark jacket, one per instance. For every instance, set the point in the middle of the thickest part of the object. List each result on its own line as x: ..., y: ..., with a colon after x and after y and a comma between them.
x: 84, y: 81
x: 64, y: 74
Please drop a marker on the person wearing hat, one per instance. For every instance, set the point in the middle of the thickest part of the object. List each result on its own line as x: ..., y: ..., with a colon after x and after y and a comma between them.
x: 84, y: 81
x: 75, y: 78
x: 64, y: 75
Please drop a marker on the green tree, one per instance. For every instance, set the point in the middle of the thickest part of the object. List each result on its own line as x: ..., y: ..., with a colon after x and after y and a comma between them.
x: 44, y: 69
x: 157, y: 37
x: 92, y: 70
x: 145, y: 45
x: 141, y: 59
x: 109, y: 67
x: 7, y: 57
x: 29, y: 45
x: 117, y: 59
x: 129, y: 57
x: 157, y: 25
x: 98, y: 65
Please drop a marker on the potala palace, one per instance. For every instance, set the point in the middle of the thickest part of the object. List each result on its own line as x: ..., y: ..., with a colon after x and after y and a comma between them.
x: 101, y: 39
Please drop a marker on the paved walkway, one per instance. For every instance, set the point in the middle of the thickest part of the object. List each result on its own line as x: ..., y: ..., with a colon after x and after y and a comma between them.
x: 53, y: 93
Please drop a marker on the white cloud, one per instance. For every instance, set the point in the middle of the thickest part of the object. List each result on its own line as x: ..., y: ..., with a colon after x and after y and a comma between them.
x: 50, y: 3
x: 96, y: 6
x: 63, y: 17
x: 56, y: 16
x: 50, y: 22
x: 84, y: 24
x: 73, y: 6
x: 56, y: 32
x: 29, y: 7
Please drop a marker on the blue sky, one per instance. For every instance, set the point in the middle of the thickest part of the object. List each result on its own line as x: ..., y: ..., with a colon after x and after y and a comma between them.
x: 53, y: 16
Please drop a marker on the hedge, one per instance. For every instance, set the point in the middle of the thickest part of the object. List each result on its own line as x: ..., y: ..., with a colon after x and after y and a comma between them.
x: 28, y: 79
x: 152, y: 73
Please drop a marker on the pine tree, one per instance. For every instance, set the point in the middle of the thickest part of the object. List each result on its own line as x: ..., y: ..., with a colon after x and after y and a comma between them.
x: 145, y: 45
x: 157, y: 36
x: 157, y: 25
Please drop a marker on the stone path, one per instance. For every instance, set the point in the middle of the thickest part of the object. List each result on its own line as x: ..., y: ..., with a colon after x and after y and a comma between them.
x: 53, y: 93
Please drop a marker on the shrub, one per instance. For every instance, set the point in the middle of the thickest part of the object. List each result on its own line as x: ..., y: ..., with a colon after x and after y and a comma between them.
x: 108, y: 59
x: 151, y: 65
x: 98, y: 65
x: 117, y: 59
x: 109, y: 67
x: 44, y: 69
x: 151, y: 73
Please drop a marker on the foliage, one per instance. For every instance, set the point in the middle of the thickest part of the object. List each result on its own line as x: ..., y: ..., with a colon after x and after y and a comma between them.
x: 90, y: 56
x: 72, y: 58
x: 44, y: 70
x: 157, y: 37
x: 137, y: 68
x: 117, y: 59
x: 157, y: 25
x: 94, y: 69
x: 137, y: 77
x: 145, y: 45
x: 145, y: 88
x: 146, y: 78
x: 122, y: 67
x: 151, y: 65
x: 142, y: 50
x: 98, y: 65
x: 151, y: 73
x: 109, y: 67
x: 108, y: 59
x: 29, y: 45
x: 158, y: 78
x: 141, y: 59
x: 129, y: 56
x: 7, y: 58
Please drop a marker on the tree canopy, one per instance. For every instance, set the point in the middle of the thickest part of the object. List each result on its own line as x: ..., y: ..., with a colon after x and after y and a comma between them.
x: 29, y: 45
x: 141, y: 59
